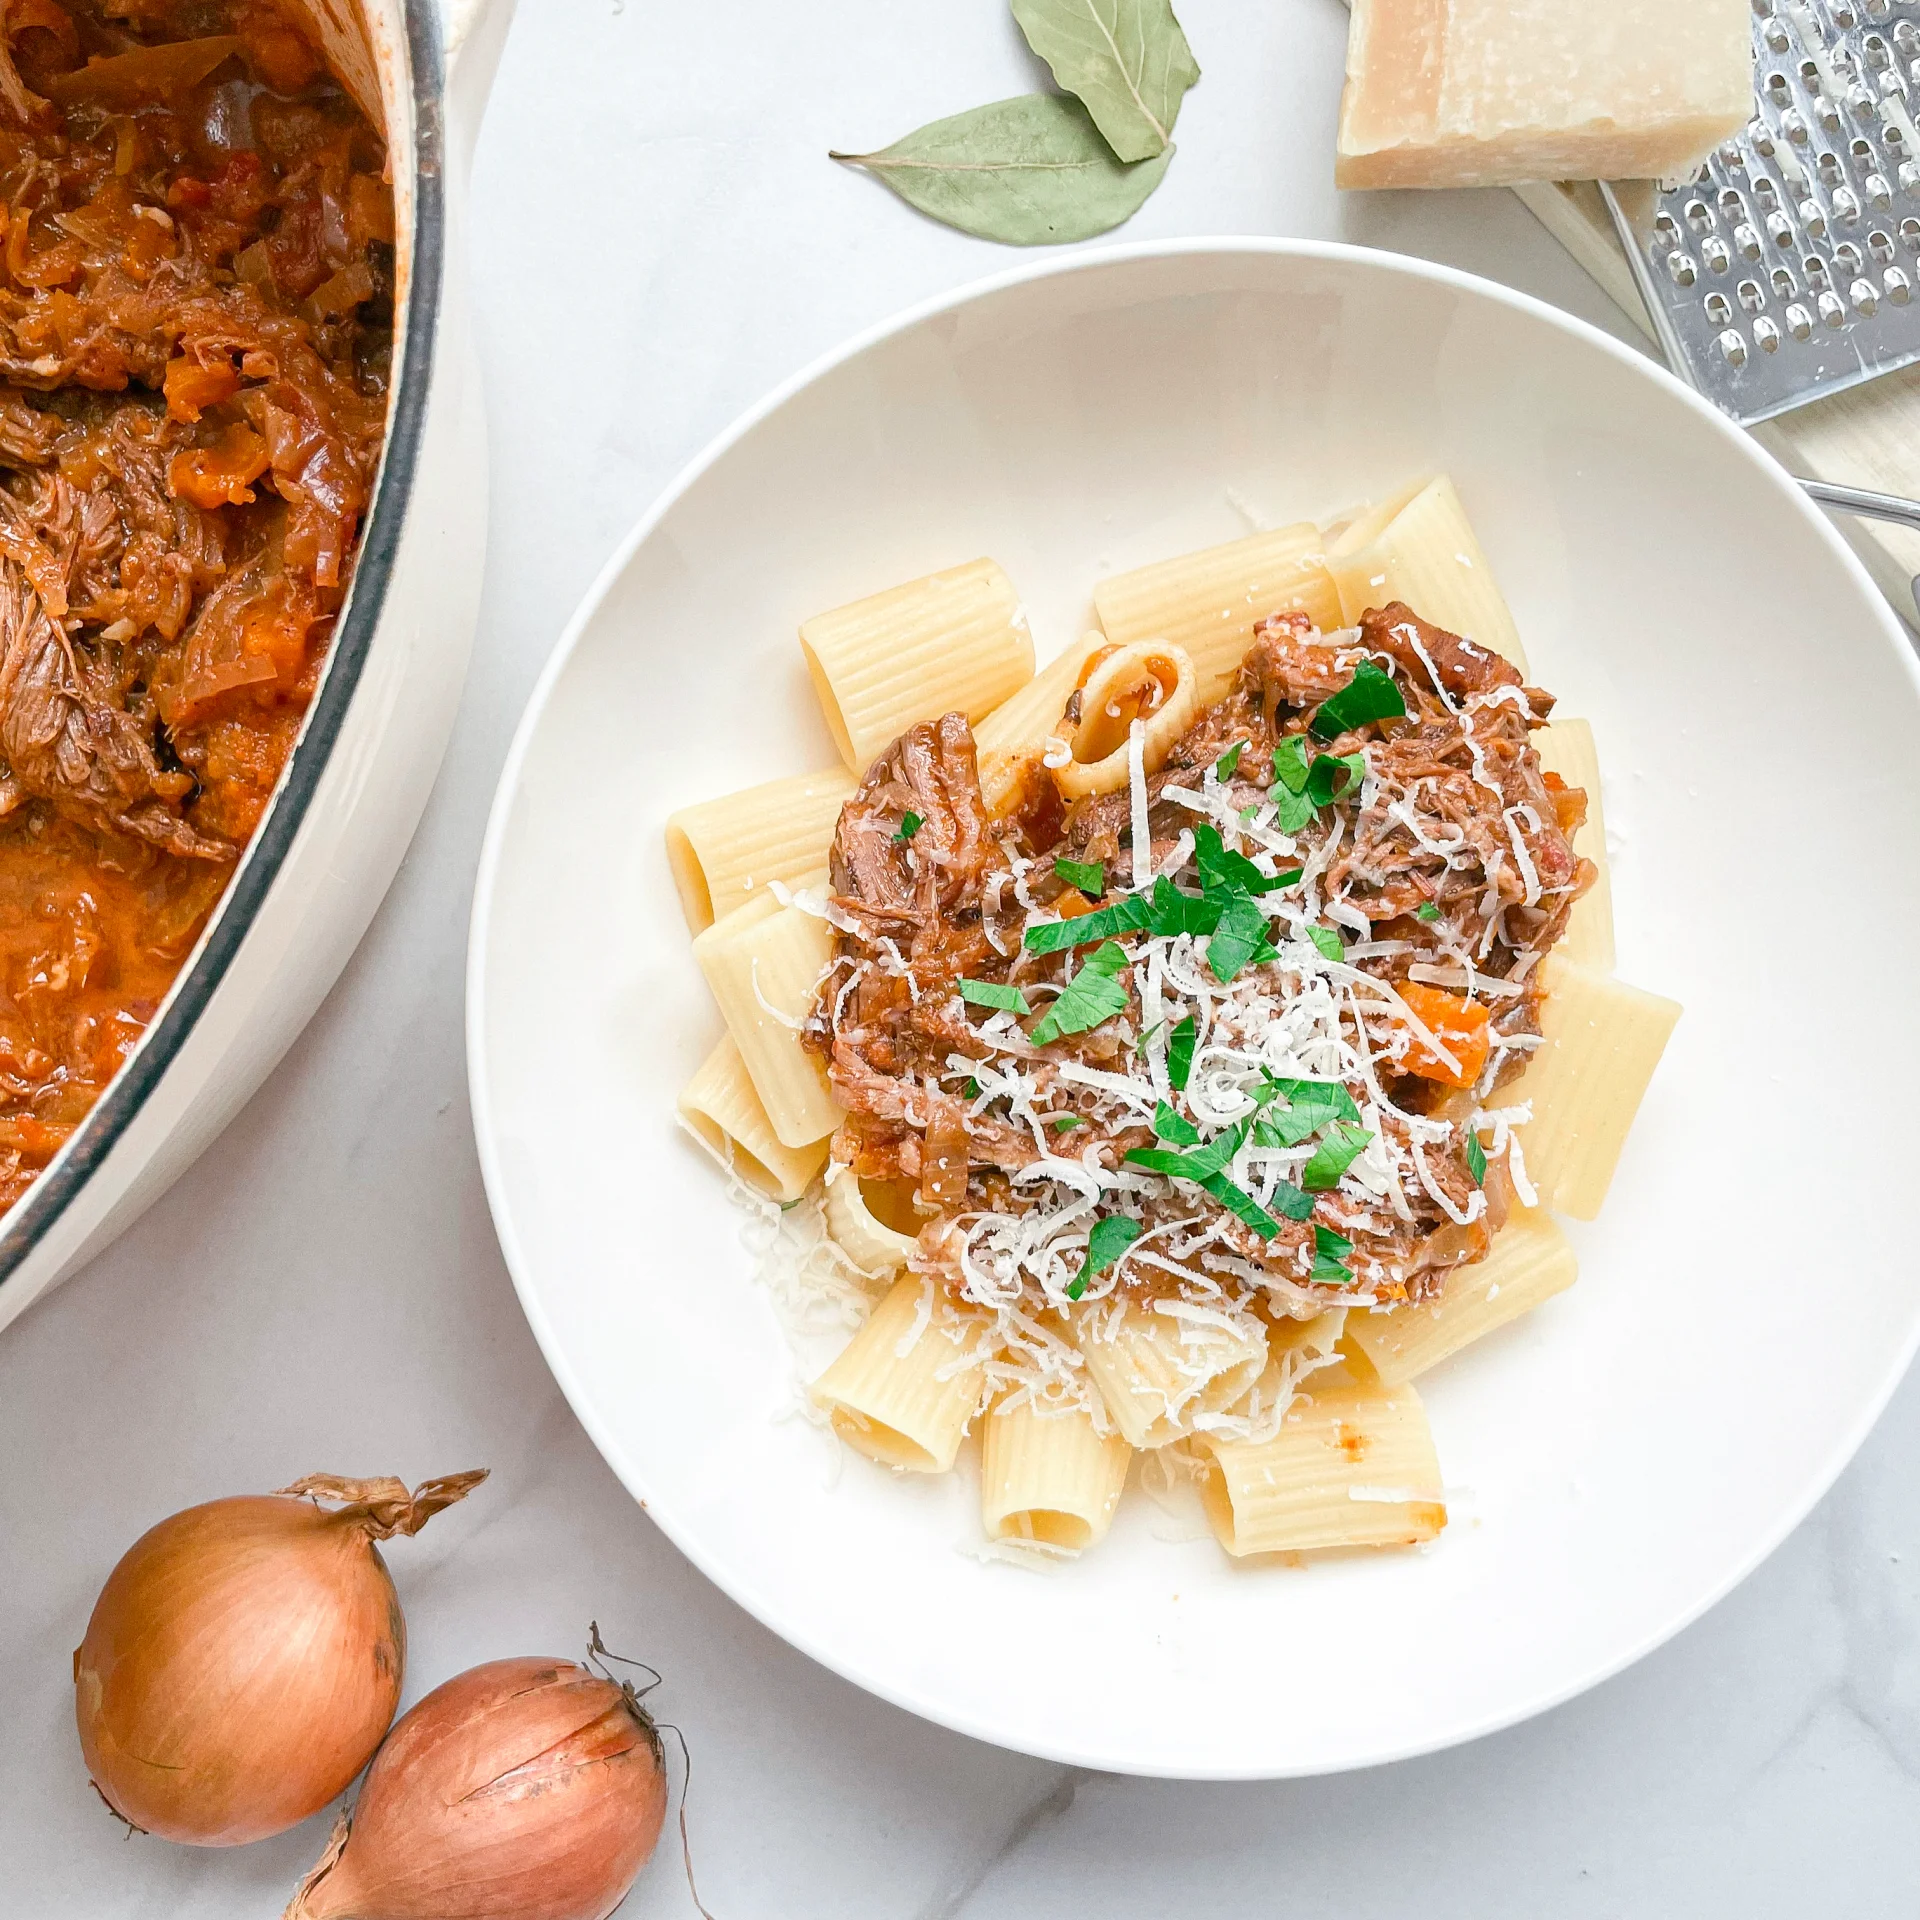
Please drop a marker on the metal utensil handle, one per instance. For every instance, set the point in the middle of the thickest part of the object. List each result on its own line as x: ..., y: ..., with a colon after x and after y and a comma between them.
x: 1869, y: 506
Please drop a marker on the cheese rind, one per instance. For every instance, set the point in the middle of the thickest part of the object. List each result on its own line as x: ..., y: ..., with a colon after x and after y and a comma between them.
x: 1481, y: 93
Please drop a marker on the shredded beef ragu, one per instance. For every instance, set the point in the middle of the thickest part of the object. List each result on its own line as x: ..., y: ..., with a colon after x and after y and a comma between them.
x: 195, y: 325
x: 917, y: 914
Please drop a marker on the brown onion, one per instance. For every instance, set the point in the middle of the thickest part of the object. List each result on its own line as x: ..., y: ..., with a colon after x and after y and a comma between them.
x: 245, y: 1657
x: 522, y: 1789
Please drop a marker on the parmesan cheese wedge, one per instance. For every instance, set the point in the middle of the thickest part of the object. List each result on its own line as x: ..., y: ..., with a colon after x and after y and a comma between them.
x: 1486, y: 93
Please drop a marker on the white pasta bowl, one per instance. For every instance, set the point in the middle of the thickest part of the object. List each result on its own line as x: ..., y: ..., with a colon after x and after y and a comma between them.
x: 1615, y: 1462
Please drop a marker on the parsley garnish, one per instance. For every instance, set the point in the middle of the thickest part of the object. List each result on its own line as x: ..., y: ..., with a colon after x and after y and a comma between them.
x: 1090, y: 876
x: 1223, y: 768
x: 986, y: 993
x: 1329, y: 779
x: 1476, y: 1160
x: 1130, y: 915
x: 1239, y: 940
x: 1306, y: 784
x: 1290, y: 763
x: 1173, y: 912
x: 910, y: 824
x: 1426, y: 911
x: 1109, y: 1239
x: 1240, y: 1203
x: 1065, y: 1122
x: 1330, y: 1250
x: 1224, y: 872
x: 1330, y: 944
x: 972, y: 1089
x: 1339, y: 1148
x: 1180, y: 1045
x: 1311, y: 1105
x: 1169, y: 1125
x: 1092, y: 996
x: 1370, y: 695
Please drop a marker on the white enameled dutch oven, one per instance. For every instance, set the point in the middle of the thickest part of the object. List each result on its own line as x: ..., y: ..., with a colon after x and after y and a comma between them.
x: 356, y: 782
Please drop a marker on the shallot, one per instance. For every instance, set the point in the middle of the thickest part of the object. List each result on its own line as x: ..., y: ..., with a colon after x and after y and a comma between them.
x: 520, y: 1790
x: 245, y: 1657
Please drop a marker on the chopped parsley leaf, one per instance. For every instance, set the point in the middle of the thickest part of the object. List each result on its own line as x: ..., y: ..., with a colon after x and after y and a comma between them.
x: 1109, y: 1239
x: 1130, y: 915
x: 1295, y: 811
x: 1178, y: 1166
x: 1290, y: 763
x: 1327, y: 1099
x: 1370, y: 695
x: 910, y: 824
x: 1340, y: 1146
x: 1176, y: 1127
x: 1090, y: 876
x: 1224, y: 872
x: 1329, y: 779
x: 1239, y: 940
x: 1330, y: 1250
x: 1426, y: 911
x: 1242, y: 1205
x: 1223, y: 768
x: 1065, y: 1122
x: 1330, y: 944
x: 1476, y: 1160
x: 987, y: 993
x: 1171, y: 912
x: 1094, y: 995
x: 1311, y: 1105
x: 972, y: 1089
x: 1180, y: 1045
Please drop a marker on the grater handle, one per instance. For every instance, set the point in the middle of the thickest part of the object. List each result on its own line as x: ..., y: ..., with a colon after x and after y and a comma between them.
x: 1868, y: 506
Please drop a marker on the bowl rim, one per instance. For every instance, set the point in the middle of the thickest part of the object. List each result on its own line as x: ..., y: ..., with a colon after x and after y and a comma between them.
x: 762, y: 1606
x: 26, y: 1226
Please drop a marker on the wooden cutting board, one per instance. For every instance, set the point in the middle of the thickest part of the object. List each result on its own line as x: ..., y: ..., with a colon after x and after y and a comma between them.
x: 1867, y: 437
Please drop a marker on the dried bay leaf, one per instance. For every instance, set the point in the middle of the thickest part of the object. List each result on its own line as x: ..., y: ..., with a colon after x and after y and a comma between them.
x: 1031, y: 171
x: 1127, y: 60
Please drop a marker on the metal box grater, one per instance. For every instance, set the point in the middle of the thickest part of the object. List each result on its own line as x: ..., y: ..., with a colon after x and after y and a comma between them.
x: 1788, y: 268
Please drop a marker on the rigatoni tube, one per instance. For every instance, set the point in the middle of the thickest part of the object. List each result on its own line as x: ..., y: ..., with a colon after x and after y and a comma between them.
x: 955, y: 641
x: 909, y: 1383
x: 762, y: 963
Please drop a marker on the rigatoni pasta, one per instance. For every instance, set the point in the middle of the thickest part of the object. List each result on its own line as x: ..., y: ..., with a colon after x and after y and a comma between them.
x: 1423, y: 551
x: 762, y: 963
x: 867, y: 1240
x: 1160, y: 1367
x: 1566, y: 749
x: 723, y: 851
x: 1207, y: 1026
x: 1529, y: 1263
x: 721, y: 1109
x: 1603, y: 1041
x: 1210, y: 602
x: 1049, y: 1477
x: 1352, y: 1465
x: 1012, y: 739
x: 956, y: 641
x: 909, y: 1384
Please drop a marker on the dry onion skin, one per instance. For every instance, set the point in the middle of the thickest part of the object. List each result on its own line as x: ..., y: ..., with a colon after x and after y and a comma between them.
x: 245, y: 1657
x: 521, y: 1790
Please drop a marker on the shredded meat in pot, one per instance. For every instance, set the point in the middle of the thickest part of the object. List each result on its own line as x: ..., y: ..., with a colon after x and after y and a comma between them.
x: 196, y: 278
x: 1426, y: 893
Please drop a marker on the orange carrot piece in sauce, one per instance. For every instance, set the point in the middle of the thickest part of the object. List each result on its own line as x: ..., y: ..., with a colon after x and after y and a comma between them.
x: 1459, y: 1025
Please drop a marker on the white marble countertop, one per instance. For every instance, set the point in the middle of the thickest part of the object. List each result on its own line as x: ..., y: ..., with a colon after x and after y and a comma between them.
x: 658, y: 239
